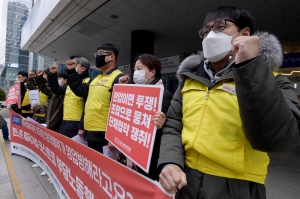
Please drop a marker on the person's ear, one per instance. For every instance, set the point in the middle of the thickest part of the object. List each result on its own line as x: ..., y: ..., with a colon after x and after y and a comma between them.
x: 112, y: 56
x: 83, y: 68
x: 246, y: 31
x: 153, y: 72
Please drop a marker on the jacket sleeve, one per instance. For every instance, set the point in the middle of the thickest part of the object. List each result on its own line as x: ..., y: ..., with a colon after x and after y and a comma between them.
x: 54, y: 86
x: 26, y: 107
x: 23, y: 89
x: 77, y: 86
x: 41, y: 82
x: 269, y: 107
x: 171, y: 149
x: 167, y: 97
x: 57, y: 117
x: 80, y: 124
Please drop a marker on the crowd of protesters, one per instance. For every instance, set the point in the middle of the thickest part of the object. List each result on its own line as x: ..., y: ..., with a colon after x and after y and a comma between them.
x: 230, y: 109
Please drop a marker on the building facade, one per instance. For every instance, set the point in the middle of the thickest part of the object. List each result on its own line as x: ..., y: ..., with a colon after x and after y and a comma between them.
x: 13, y: 59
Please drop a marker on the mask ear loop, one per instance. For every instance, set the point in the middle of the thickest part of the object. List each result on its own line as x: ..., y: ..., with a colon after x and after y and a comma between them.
x: 229, y: 59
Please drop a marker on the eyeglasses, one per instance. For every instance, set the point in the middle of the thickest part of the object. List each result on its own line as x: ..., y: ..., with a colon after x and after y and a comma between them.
x: 100, y: 52
x: 218, y: 26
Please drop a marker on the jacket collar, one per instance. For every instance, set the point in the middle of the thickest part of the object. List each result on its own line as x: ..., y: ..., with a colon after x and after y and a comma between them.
x: 110, y: 71
x: 270, y: 50
x: 84, y: 75
x: 155, y: 80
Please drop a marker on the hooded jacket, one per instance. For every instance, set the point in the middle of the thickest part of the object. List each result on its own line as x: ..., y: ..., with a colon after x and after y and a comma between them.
x: 226, y: 133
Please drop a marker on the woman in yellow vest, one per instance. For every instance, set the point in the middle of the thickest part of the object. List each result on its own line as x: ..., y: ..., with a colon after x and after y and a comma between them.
x: 40, y: 110
x: 73, y: 105
x: 25, y: 109
x: 228, y: 111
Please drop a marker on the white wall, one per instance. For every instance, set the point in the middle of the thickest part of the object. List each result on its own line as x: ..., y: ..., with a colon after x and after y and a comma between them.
x: 41, y: 15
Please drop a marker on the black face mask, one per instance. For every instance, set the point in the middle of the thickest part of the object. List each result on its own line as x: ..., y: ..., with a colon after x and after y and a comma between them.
x: 100, y: 60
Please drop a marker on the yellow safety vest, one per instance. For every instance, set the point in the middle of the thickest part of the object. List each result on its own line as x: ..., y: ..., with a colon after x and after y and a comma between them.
x: 73, y: 105
x: 213, y: 135
x: 98, y: 102
x: 25, y: 102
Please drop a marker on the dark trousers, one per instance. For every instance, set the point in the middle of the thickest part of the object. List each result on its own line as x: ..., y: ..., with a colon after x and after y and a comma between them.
x: 69, y: 128
x: 27, y: 115
x: 96, y: 140
x: 5, y: 132
x: 97, y: 146
x: 205, y: 186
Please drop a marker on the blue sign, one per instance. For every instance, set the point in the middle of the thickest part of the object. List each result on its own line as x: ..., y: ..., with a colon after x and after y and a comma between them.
x: 291, y: 60
x: 16, y: 120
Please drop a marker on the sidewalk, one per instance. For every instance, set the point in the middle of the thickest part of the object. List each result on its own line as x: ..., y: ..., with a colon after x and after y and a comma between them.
x: 32, y: 184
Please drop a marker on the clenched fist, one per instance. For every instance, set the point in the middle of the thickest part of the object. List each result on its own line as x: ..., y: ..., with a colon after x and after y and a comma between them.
x: 31, y: 75
x: 71, y: 64
x: 245, y: 48
x: 124, y: 80
x: 21, y: 78
x: 39, y: 72
x: 172, y: 178
x: 53, y: 69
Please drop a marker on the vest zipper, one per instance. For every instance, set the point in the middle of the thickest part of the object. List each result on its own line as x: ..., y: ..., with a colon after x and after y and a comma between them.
x: 207, y: 94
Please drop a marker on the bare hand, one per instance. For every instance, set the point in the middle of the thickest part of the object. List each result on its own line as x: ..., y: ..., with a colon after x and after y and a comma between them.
x: 245, y: 48
x: 39, y: 72
x: 159, y: 119
x: 71, y: 64
x: 31, y: 75
x: 124, y: 80
x: 53, y: 69
x: 32, y: 106
x: 111, y: 147
x: 172, y: 178
x: 21, y: 78
x: 80, y: 132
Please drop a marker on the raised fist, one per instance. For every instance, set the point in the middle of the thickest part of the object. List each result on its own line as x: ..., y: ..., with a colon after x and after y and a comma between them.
x: 53, y: 69
x: 39, y: 72
x: 124, y: 80
x: 31, y: 75
x: 21, y: 78
x: 71, y: 64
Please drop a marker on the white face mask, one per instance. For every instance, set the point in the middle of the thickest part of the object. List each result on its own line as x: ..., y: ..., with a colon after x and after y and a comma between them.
x: 60, y: 82
x: 216, y: 46
x: 17, y: 79
x: 139, y: 77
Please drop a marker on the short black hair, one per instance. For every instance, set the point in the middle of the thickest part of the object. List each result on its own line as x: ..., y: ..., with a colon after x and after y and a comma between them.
x: 83, y: 62
x: 151, y: 62
x: 242, y: 18
x: 62, y: 74
x: 111, y: 47
x: 23, y: 73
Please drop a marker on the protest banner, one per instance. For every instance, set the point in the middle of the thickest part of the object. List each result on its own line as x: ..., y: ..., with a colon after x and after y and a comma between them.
x: 34, y: 97
x: 18, y: 93
x: 11, y: 99
x: 130, y: 127
x: 76, y: 170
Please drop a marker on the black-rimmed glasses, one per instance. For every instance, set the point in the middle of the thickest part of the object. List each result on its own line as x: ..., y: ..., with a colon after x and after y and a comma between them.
x: 218, y: 26
x: 102, y: 53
